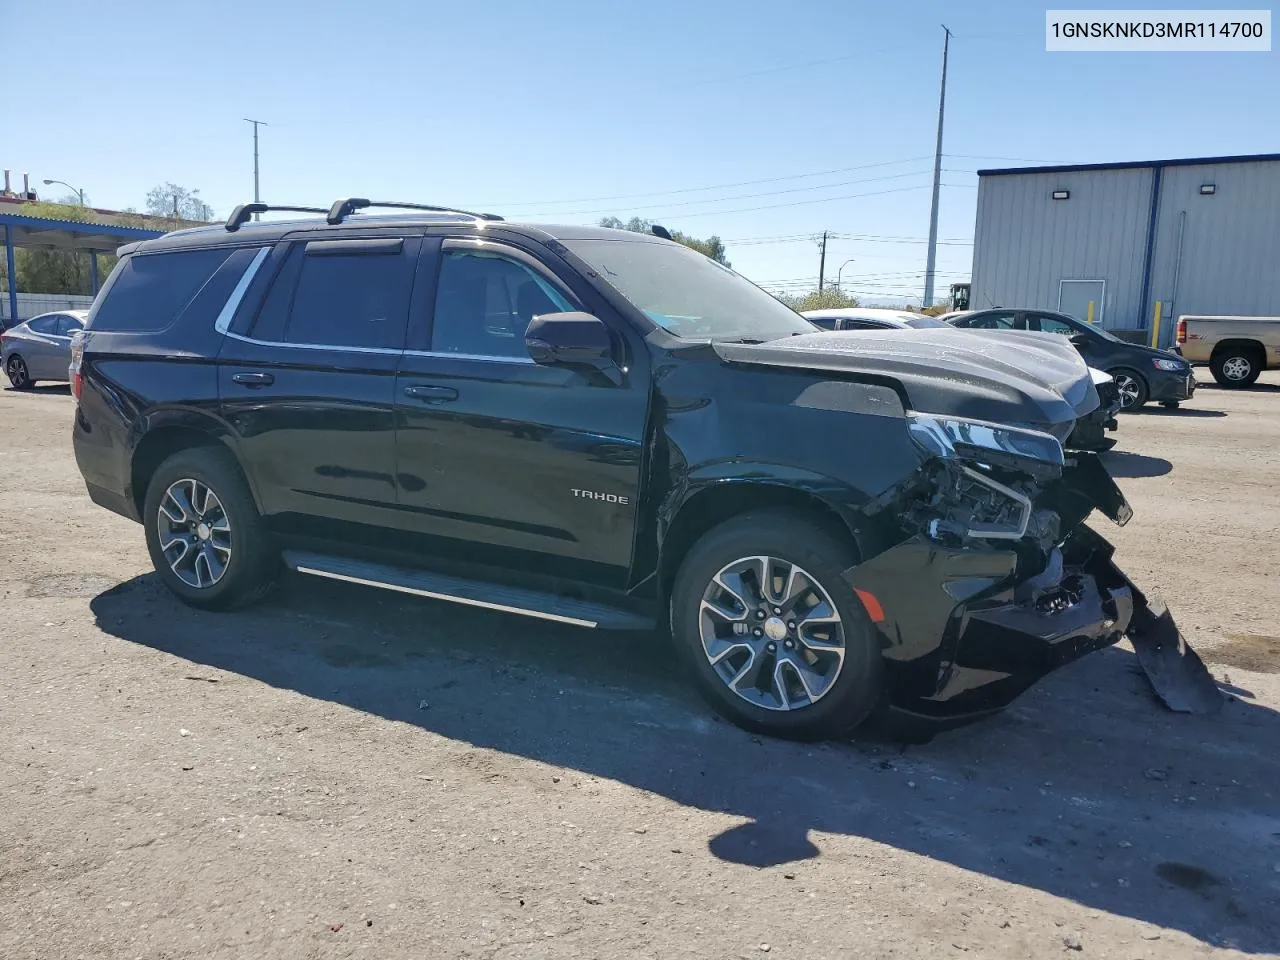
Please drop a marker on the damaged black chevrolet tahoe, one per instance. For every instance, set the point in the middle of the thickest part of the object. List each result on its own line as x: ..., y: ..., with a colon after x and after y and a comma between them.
x: 609, y: 430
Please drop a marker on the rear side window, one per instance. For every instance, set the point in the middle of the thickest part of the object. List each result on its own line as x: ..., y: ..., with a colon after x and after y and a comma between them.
x: 43, y: 325
x: 343, y: 294
x: 148, y: 291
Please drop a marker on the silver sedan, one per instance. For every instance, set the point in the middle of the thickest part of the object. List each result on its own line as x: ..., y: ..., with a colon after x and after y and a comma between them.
x: 40, y: 348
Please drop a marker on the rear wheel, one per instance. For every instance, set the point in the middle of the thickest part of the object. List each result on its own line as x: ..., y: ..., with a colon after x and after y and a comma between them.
x: 1235, y: 367
x: 1131, y: 387
x: 203, y: 531
x: 19, y: 376
x: 775, y: 639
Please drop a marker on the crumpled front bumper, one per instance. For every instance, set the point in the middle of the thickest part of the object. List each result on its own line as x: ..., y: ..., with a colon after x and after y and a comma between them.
x: 963, y: 636
x: 965, y: 628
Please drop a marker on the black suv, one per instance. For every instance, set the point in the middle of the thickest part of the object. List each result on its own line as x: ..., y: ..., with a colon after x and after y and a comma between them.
x: 604, y: 429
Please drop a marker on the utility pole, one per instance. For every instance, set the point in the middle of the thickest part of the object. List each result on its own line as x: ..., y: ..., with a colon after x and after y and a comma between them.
x: 822, y: 261
x: 257, y: 197
x: 931, y: 262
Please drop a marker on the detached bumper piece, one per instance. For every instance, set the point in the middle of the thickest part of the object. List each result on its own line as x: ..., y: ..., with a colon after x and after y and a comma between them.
x: 963, y: 637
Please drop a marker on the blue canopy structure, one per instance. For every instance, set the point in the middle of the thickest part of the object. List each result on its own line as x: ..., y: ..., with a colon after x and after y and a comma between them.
x: 40, y: 233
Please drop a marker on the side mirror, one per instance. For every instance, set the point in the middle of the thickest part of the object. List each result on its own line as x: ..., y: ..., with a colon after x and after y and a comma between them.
x: 570, y: 339
x: 1079, y: 339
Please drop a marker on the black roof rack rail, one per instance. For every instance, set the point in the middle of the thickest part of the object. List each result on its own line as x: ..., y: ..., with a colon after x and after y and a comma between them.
x: 241, y: 214
x: 342, y: 209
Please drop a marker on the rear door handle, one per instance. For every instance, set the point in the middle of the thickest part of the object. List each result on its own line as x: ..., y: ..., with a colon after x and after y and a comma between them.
x: 253, y: 379
x: 430, y: 393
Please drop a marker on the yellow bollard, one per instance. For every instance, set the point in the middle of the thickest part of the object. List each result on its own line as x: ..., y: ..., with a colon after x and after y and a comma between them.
x: 1090, y: 315
x: 1155, y: 326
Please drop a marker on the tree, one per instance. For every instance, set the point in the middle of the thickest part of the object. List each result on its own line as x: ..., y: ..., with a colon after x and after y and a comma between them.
x: 177, y: 203
x: 827, y: 299
x: 712, y: 247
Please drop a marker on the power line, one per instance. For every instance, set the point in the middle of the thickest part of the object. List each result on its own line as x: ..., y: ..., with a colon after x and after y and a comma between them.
x: 773, y: 206
x: 715, y: 186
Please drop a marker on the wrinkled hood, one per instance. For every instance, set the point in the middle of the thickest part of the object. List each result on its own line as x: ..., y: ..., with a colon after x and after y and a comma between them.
x: 1007, y: 376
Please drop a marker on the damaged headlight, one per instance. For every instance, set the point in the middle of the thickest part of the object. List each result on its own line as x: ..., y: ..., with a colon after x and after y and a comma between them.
x: 986, y: 478
x: 990, y: 444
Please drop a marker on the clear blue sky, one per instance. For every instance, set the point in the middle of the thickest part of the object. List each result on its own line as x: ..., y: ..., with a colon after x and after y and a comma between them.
x: 541, y: 109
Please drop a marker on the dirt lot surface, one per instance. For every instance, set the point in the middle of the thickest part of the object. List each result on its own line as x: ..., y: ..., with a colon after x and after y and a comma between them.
x: 345, y: 773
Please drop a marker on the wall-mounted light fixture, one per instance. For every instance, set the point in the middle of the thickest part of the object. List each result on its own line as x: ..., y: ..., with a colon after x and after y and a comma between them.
x: 1061, y: 194
x: 1207, y: 189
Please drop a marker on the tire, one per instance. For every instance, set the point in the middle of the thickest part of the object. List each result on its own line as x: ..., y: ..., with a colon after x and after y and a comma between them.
x: 1235, y: 367
x: 249, y: 560
x: 1131, y: 387
x: 19, y: 376
x: 1171, y: 404
x: 844, y: 694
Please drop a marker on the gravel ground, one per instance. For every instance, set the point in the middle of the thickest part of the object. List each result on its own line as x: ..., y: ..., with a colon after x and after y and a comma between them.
x: 345, y: 773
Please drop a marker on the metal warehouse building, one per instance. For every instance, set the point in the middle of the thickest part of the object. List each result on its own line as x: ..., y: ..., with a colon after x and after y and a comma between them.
x: 1131, y: 245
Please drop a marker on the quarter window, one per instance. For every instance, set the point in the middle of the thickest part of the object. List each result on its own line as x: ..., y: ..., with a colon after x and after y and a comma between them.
x: 484, y: 304
x: 149, y: 291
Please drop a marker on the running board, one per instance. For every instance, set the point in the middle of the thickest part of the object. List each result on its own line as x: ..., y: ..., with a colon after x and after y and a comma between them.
x: 471, y: 593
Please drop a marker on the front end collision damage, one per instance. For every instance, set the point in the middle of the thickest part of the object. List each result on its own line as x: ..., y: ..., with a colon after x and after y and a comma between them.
x: 977, y: 567
x: 970, y: 620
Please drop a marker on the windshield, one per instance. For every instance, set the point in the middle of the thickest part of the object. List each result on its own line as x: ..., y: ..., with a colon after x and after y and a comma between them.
x: 688, y: 294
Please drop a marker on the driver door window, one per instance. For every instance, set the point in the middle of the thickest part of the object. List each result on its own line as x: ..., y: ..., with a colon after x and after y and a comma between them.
x: 484, y: 303
x: 997, y: 321
x: 1055, y: 325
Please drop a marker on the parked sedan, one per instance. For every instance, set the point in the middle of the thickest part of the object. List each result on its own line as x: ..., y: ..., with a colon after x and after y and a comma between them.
x: 1091, y: 430
x: 869, y: 318
x: 40, y: 348
x: 1141, y: 373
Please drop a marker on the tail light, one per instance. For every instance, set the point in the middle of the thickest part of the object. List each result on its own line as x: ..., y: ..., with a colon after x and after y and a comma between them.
x: 77, y: 355
x: 1181, y: 337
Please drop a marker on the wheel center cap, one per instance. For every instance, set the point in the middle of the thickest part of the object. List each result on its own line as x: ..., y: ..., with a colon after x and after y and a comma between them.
x: 203, y: 531
x: 775, y: 629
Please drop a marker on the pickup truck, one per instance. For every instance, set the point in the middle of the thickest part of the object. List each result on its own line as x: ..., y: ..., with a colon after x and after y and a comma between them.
x: 1237, y: 349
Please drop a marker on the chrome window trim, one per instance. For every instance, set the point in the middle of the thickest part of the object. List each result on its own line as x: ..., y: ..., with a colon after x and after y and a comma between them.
x: 223, y: 323
x: 448, y: 355
x: 331, y: 347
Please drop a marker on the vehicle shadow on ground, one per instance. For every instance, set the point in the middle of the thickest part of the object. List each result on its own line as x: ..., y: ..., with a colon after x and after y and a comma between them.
x: 1192, y: 412
x: 1085, y: 789
x: 40, y: 389
x: 1121, y: 463
x: 1254, y: 388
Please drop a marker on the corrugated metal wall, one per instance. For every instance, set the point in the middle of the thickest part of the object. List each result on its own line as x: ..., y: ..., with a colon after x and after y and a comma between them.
x: 1025, y: 242
x: 1231, y: 246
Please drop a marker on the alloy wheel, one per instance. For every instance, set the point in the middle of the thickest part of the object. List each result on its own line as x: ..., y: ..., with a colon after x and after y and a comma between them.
x: 17, y: 373
x: 1128, y: 389
x: 1237, y: 368
x: 771, y: 633
x: 195, y: 533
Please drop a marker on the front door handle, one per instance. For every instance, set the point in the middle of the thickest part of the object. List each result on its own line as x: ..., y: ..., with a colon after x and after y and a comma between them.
x: 430, y: 393
x: 253, y: 379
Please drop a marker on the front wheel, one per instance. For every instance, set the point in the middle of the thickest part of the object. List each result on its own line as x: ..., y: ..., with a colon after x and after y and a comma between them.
x: 19, y: 377
x: 1131, y: 387
x: 203, y: 531
x: 775, y: 639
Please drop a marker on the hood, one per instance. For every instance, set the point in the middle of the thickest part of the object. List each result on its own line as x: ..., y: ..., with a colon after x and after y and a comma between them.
x: 1007, y: 376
